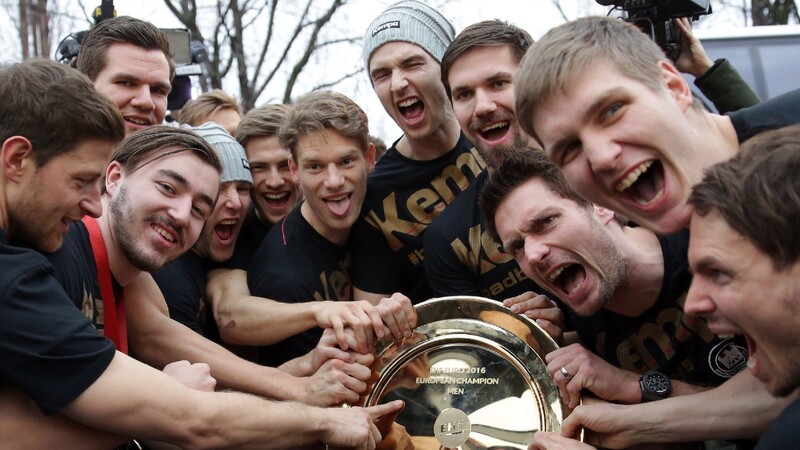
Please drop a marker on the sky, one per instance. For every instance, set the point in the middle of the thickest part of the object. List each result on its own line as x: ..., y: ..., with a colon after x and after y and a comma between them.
x: 535, y: 16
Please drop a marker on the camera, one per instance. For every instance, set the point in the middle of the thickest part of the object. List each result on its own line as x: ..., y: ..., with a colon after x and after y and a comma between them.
x: 654, y: 18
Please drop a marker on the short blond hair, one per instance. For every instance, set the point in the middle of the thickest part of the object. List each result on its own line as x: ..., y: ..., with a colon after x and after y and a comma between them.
x: 566, y: 52
x: 196, y: 111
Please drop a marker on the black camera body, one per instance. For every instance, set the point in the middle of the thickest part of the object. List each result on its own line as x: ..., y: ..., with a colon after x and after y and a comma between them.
x: 654, y: 18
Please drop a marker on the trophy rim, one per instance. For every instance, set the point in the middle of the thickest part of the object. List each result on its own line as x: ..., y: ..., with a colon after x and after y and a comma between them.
x: 462, y: 312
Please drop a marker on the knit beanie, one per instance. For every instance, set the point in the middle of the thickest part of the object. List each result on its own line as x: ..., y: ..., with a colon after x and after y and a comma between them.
x: 409, y: 21
x: 235, y: 166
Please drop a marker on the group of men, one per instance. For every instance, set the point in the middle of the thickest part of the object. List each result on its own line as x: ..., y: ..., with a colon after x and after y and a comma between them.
x: 515, y: 164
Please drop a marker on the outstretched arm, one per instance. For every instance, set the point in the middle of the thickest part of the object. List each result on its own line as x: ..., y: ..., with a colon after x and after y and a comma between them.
x: 159, y: 340
x: 740, y: 408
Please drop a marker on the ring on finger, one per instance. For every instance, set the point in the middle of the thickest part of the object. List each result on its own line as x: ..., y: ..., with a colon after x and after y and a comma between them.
x: 565, y: 372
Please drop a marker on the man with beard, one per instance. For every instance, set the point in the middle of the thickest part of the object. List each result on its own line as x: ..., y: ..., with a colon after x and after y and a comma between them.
x: 183, y: 281
x: 614, y: 115
x: 157, y: 195
x: 424, y: 170
x: 63, y: 384
x: 746, y: 261
x: 477, y: 72
x: 303, y: 261
x: 626, y: 286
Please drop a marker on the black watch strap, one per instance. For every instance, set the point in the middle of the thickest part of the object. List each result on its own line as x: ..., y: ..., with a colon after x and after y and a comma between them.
x: 654, y: 385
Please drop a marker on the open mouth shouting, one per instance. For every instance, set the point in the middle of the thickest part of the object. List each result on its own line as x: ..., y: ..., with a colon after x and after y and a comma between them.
x: 224, y: 229
x: 567, y: 279
x: 411, y: 109
x: 644, y: 184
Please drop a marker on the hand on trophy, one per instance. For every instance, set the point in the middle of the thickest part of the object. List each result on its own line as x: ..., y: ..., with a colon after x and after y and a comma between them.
x: 360, y: 316
x: 575, y: 368
x: 540, y: 309
x: 398, y: 315
x: 355, y: 428
x: 336, y: 382
x: 394, y: 436
x: 328, y: 348
x: 606, y: 425
x: 552, y: 441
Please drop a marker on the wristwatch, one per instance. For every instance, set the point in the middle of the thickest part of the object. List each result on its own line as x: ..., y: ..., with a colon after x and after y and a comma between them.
x: 655, y: 386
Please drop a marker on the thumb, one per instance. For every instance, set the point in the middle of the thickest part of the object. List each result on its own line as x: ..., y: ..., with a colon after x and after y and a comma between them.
x: 384, y: 415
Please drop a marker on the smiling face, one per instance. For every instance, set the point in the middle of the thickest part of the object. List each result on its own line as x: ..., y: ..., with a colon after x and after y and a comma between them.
x: 65, y: 189
x: 408, y: 83
x: 332, y: 172
x: 218, y: 238
x: 626, y: 146
x: 481, y: 82
x: 274, y: 190
x: 137, y: 81
x: 737, y: 290
x: 160, y: 207
x: 562, y: 246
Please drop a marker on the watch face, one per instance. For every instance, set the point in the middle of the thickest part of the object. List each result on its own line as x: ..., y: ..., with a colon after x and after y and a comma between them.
x: 656, y: 383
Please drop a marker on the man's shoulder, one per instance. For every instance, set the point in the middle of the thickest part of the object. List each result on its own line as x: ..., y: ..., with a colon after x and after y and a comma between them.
x: 16, y: 261
x: 460, y: 215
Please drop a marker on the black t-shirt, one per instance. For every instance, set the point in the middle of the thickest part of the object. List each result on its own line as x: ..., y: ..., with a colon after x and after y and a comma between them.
x: 403, y: 197
x: 250, y: 237
x: 295, y: 264
x: 461, y: 258
x: 183, y: 283
x: 75, y: 269
x: 47, y: 347
x: 778, y: 112
x: 664, y: 338
x: 784, y: 433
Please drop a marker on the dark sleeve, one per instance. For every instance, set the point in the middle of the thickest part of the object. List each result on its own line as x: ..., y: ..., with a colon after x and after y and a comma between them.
x: 446, y: 273
x: 181, y: 293
x: 374, y: 266
x: 777, y: 112
x: 783, y: 433
x: 47, y: 347
x: 725, y: 87
x: 278, y: 286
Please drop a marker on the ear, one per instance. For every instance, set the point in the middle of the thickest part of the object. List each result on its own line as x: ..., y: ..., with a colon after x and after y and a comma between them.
x: 293, y: 170
x: 604, y: 215
x: 113, y: 177
x: 369, y: 155
x: 17, y: 157
x: 676, y: 85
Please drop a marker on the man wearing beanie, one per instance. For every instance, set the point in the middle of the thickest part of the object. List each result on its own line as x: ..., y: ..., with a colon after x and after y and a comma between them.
x: 424, y: 170
x: 160, y: 187
x: 183, y: 281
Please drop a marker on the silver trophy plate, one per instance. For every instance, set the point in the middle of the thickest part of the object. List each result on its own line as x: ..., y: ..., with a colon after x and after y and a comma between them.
x: 473, y: 376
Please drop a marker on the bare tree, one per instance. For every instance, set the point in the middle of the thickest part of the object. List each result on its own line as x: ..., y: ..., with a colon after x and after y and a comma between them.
x: 262, y: 43
x: 773, y: 12
x: 33, y: 25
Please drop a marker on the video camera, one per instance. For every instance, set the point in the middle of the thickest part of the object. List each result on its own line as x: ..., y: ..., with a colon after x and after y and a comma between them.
x: 188, y: 55
x: 654, y: 18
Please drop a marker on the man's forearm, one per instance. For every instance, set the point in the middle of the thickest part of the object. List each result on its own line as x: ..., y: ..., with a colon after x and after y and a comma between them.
x: 740, y: 408
x: 244, y: 319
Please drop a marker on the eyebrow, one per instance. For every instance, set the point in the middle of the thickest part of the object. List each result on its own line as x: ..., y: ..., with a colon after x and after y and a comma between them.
x: 128, y: 77
x: 598, y: 104
x: 180, y: 179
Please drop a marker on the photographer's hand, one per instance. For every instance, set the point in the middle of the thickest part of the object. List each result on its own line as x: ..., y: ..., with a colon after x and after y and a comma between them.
x: 693, y: 58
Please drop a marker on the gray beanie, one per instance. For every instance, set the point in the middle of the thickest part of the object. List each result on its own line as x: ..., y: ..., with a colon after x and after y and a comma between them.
x: 409, y: 21
x: 235, y: 166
